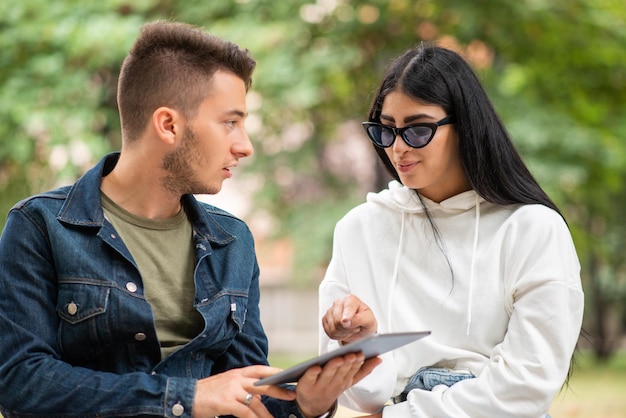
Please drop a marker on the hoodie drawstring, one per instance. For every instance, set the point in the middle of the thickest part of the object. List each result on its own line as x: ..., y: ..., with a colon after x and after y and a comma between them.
x: 472, y: 272
x: 394, y: 278
x: 396, y: 266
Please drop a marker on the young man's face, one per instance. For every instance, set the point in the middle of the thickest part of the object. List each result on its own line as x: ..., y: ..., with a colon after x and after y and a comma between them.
x: 213, y: 141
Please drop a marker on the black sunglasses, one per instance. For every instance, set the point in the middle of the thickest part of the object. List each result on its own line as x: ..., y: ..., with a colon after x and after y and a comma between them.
x: 415, y: 136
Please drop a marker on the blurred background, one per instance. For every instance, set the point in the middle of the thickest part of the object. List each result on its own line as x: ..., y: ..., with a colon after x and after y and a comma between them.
x: 555, y: 69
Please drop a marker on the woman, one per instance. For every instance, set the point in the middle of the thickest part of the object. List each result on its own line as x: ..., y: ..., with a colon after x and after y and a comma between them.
x: 464, y: 243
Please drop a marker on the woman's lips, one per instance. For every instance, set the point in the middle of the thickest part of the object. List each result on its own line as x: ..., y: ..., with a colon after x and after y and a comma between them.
x: 405, y: 167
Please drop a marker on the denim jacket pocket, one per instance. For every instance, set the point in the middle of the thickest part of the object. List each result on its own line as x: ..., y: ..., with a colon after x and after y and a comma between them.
x: 225, y: 316
x: 78, y: 302
x: 83, y: 326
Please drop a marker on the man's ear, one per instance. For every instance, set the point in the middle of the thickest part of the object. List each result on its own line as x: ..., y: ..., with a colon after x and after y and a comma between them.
x: 167, y: 124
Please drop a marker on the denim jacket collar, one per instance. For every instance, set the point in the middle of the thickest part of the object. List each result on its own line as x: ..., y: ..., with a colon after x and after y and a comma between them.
x: 83, y: 205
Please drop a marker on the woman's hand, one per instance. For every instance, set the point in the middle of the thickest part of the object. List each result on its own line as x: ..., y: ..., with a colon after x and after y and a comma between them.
x: 225, y: 393
x: 349, y: 319
x: 319, y: 387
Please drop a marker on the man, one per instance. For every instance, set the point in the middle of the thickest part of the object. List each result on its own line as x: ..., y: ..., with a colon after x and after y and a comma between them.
x: 124, y: 296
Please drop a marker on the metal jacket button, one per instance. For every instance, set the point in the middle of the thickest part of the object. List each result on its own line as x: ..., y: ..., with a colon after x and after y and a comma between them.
x: 178, y: 409
x: 132, y: 287
x: 72, y: 308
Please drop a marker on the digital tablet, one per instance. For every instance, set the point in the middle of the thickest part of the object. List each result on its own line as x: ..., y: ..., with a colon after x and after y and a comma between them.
x: 370, y: 346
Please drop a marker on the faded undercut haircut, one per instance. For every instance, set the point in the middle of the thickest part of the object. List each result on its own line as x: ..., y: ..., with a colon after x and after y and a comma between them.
x: 171, y: 64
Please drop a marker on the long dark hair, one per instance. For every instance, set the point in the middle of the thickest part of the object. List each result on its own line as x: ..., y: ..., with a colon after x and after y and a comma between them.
x: 492, y: 165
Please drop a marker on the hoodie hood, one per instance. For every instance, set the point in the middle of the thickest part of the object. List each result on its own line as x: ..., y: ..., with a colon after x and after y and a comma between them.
x: 404, y: 200
x: 399, y: 198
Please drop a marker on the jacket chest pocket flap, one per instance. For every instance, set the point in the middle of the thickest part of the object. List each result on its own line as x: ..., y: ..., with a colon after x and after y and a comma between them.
x: 79, y: 301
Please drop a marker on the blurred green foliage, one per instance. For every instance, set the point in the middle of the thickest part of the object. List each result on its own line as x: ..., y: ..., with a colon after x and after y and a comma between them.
x: 554, y: 68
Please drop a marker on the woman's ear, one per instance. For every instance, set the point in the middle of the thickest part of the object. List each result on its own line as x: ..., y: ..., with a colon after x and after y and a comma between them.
x: 167, y: 124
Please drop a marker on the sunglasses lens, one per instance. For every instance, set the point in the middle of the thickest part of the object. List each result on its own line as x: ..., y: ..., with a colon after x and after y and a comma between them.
x: 379, y: 135
x: 418, y: 136
x: 386, y: 137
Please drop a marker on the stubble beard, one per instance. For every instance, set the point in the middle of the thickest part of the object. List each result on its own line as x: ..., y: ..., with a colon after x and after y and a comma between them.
x: 179, y: 177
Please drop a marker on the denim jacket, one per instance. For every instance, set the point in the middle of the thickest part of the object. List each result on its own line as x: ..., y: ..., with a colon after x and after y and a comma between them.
x: 77, y: 334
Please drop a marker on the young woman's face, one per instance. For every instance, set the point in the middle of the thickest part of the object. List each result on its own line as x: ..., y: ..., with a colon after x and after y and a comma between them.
x: 434, y: 170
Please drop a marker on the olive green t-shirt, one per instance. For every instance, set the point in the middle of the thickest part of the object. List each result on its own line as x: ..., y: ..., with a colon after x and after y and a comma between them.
x: 164, y: 253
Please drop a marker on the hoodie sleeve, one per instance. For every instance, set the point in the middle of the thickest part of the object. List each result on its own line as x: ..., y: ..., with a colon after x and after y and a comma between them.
x: 545, y: 302
x: 371, y: 393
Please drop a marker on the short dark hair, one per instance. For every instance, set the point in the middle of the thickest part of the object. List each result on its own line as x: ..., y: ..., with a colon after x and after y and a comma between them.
x: 171, y: 64
x: 439, y: 76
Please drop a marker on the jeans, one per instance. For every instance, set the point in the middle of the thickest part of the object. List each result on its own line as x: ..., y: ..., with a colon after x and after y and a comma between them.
x: 427, y: 378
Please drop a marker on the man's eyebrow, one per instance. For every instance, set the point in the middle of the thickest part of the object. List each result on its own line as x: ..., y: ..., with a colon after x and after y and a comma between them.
x: 235, y: 112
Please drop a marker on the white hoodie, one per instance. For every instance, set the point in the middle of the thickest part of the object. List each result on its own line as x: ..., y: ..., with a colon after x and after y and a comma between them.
x: 500, y: 290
